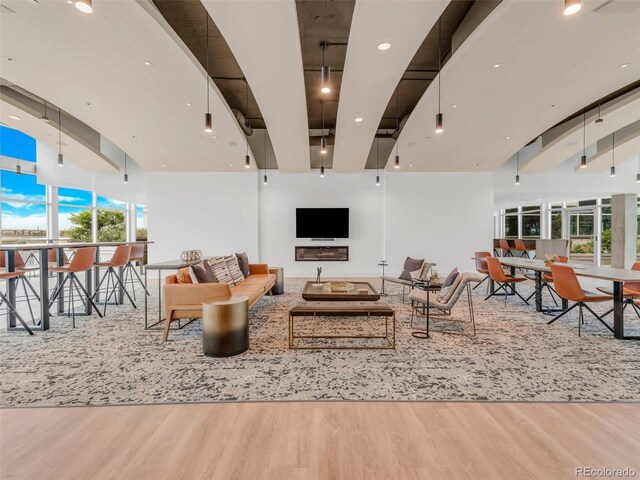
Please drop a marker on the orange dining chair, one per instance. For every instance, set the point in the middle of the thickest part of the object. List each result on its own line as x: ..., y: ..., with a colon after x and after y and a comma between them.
x: 481, y: 266
x: 52, y: 257
x: 137, y: 255
x: 82, y: 261
x: 504, y: 281
x: 568, y: 287
x: 547, y: 280
x: 119, y: 259
x: 504, y: 246
x: 521, y: 247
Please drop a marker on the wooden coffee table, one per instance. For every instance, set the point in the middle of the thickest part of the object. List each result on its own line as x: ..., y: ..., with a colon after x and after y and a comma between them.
x: 313, y: 292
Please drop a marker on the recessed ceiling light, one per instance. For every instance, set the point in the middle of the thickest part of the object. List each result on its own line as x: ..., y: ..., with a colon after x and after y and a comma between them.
x: 85, y: 6
x: 231, y: 164
x: 189, y: 104
x: 411, y: 164
x: 11, y: 59
x: 70, y: 1
x: 497, y: 65
x: 454, y: 106
x: 508, y: 138
x: 625, y: 65
x: 572, y: 6
x: 384, y: 46
x: 163, y: 164
x: 214, y: 137
x: 14, y: 117
x: 88, y: 104
x: 358, y: 119
x: 233, y: 143
x: 148, y: 63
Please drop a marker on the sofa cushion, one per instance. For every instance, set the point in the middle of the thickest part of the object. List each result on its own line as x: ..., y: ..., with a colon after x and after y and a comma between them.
x: 220, y: 271
x: 266, y: 280
x: 253, y: 292
x: 411, y: 265
x: 183, y: 275
x: 234, y: 268
x: 201, y: 273
x: 243, y: 262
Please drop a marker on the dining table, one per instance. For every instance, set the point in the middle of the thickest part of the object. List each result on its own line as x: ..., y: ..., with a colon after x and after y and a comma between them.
x: 42, y: 258
x: 617, y: 276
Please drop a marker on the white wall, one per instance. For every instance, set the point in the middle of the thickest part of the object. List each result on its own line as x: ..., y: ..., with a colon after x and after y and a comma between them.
x: 213, y: 212
x: 356, y: 191
x: 442, y: 217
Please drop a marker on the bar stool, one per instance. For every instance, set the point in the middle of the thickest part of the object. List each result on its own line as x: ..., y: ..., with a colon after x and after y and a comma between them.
x: 504, y: 281
x: 137, y: 255
x: 482, y: 267
x: 22, y: 269
x: 83, y: 260
x: 568, y: 287
x: 11, y: 307
x: 119, y: 259
x: 520, y: 247
x: 504, y: 246
x: 52, y: 257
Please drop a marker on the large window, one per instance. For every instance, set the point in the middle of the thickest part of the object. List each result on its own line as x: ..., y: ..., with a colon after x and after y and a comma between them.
x: 511, y: 223
x: 74, y: 215
x: 556, y: 221
x: 141, y: 222
x: 24, y: 208
x: 531, y: 222
x: 111, y: 220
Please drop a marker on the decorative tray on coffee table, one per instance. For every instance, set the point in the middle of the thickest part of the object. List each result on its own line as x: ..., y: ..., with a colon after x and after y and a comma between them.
x: 338, y: 286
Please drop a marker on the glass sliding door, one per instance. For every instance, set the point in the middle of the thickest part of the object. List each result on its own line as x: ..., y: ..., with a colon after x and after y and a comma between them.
x: 582, y: 238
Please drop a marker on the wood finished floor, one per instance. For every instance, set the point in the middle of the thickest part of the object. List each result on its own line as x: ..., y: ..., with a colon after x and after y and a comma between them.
x: 318, y: 440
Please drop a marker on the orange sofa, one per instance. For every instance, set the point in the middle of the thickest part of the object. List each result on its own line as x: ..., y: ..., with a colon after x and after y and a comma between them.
x: 184, y: 300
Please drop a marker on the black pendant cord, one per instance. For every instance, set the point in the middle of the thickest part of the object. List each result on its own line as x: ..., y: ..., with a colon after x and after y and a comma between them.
x: 265, y: 151
x: 613, y: 149
x: 321, y: 155
x: 59, y: 132
x: 247, y: 121
x: 584, y: 132
x: 207, y: 76
x: 397, y: 120
x: 439, y: 61
x: 377, y: 155
x: 125, y: 164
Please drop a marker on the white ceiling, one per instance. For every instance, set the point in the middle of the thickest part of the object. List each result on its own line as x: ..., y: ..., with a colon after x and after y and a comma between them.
x: 48, y: 134
x: 551, y: 66
x: 370, y: 75
x: 569, y: 141
x: 71, y: 58
x: 265, y: 40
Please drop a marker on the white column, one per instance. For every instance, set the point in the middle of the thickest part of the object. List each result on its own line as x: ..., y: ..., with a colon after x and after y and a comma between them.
x: 545, y: 221
x: 131, y: 223
x: 53, y: 226
x: 624, y: 228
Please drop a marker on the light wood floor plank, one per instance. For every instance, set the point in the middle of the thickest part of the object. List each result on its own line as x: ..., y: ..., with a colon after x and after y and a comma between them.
x: 318, y: 440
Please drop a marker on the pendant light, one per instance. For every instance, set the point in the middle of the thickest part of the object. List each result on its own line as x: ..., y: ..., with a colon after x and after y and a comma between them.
x: 518, y: 167
x: 85, y: 6
x: 323, y: 140
x: 60, y: 157
x: 208, y: 121
x: 126, y: 175
x: 247, y: 158
x: 572, y: 6
x: 439, y: 118
x: 377, y: 161
x: 638, y: 174
x: 265, y: 181
x: 18, y: 166
x: 325, y: 73
x: 397, y: 161
x: 613, y: 155
x: 583, y: 158
x: 599, y: 119
x: 44, y: 117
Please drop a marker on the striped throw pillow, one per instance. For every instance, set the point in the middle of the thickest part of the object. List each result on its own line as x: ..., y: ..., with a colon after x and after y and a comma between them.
x: 220, y: 271
x: 234, y: 268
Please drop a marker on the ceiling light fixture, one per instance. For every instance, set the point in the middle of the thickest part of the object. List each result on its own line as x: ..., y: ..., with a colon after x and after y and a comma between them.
x: 612, y: 173
x: 358, y: 119
x: 377, y: 161
x: 384, y: 46
x: 126, y: 175
x: 18, y: 166
x: 148, y: 63
x: 247, y: 158
x: 208, y: 121
x: 518, y: 167
x: 264, y: 180
x: 625, y: 65
x: 11, y: 59
x: 189, y: 104
x: 497, y: 65
x: 44, y: 117
x: 323, y: 140
x: 85, y: 6
x: 439, y: 117
x: 396, y: 164
x: 599, y: 119
x: 638, y: 174
x: 14, y: 117
x: 572, y: 6
x: 583, y: 158
x: 60, y: 157
x: 325, y: 73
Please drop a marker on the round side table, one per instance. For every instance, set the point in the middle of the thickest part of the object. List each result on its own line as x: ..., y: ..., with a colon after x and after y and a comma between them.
x: 225, y: 326
x: 278, y: 287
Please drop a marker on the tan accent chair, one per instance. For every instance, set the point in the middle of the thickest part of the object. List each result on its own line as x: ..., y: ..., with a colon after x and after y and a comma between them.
x: 184, y: 300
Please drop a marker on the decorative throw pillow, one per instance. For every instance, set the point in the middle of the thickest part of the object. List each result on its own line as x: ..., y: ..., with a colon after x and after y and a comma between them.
x: 450, y: 278
x: 410, y: 265
x: 234, y: 269
x: 201, y: 273
x: 243, y: 262
x: 220, y: 271
x: 422, y: 273
x: 446, y: 293
x: 183, y: 275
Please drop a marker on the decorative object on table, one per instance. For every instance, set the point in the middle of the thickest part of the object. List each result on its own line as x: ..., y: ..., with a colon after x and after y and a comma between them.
x: 225, y: 326
x: 191, y: 255
x: 363, y: 291
x: 549, y: 259
x: 312, y: 291
x: 318, y: 282
x: 434, y: 276
x: 383, y: 264
x: 339, y: 287
x: 278, y: 287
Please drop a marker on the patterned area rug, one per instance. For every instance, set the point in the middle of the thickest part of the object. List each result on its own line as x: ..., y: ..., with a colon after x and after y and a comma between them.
x: 515, y: 356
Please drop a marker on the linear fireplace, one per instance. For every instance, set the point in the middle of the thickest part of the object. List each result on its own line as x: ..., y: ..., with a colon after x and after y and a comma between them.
x: 322, y: 254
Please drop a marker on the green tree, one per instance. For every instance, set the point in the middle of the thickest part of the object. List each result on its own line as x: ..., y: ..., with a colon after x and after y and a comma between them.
x: 606, y: 240
x: 556, y: 226
x: 110, y: 226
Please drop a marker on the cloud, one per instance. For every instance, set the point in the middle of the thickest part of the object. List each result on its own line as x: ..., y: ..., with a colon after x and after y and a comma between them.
x: 11, y: 221
x: 69, y: 199
x: 9, y: 193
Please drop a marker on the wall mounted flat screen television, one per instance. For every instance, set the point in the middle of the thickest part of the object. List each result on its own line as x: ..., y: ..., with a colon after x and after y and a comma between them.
x: 322, y: 223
